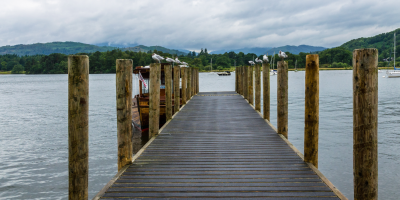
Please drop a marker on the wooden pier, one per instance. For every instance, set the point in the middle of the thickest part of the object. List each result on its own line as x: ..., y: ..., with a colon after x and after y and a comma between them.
x: 219, y: 146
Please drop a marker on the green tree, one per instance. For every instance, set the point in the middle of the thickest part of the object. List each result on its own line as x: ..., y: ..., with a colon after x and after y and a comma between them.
x: 17, y: 69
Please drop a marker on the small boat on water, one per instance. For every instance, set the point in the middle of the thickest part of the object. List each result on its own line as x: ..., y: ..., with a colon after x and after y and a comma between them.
x: 395, y: 73
x: 225, y: 73
x: 140, y: 105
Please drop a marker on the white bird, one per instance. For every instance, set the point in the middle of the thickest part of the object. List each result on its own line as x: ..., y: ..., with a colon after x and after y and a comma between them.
x: 282, y: 55
x: 157, y: 57
x: 258, y: 60
x: 265, y: 58
x: 184, y: 63
x: 251, y: 62
x: 170, y: 60
x: 177, y: 61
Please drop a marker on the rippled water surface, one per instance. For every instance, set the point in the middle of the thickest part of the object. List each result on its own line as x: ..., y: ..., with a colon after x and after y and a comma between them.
x: 34, y: 142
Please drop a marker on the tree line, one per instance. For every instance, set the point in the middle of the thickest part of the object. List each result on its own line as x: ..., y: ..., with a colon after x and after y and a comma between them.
x: 104, y: 62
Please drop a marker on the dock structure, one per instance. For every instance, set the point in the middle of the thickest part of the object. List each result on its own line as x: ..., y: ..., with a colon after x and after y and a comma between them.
x: 219, y: 146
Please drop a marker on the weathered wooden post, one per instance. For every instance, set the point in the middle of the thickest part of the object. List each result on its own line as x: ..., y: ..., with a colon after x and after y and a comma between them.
x: 193, y: 81
x: 282, y: 98
x: 236, y: 79
x: 184, y: 79
x: 78, y: 126
x: 124, y: 111
x: 257, y: 74
x: 311, y: 114
x: 168, y: 91
x: 266, y: 91
x: 198, y: 81
x: 177, y: 98
x: 365, y: 123
x: 245, y: 84
x: 250, y: 86
x: 239, y: 80
x: 154, y: 99
x: 189, y: 83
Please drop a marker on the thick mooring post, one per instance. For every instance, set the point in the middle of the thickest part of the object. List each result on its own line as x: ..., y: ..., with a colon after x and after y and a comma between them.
x: 198, y: 82
x: 257, y: 81
x: 250, y: 86
x: 311, y: 114
x: 124, y: 111
x: 365, y: 123
x: 236, y: 79
x: 184, y: 79
x: 189, y: 83
x: 154, y: 99
x: 282, y: 98
x: 168, y: 91
x: 245, y: 83
x: 177, y: 98
x: 78, y: 126
x: 266, y: 93
x: 193, y: 81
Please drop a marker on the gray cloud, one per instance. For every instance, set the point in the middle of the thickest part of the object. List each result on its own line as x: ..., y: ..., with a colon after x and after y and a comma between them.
x: 196, y: 24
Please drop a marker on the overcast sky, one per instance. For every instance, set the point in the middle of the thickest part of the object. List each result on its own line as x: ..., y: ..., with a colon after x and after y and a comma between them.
x: 196, y: 24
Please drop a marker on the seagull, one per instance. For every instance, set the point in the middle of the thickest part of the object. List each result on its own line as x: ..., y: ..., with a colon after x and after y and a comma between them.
x: 251, y: 62
x: 157, y: 57
x: 170, y: 60
x: 265, y: 58
x: 184, y: 63
x: 177, y: 61
x: 258, y: 60
x: 282, y: 55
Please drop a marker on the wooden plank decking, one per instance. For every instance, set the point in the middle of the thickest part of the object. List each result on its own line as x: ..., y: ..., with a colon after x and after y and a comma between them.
x: 218, y: 146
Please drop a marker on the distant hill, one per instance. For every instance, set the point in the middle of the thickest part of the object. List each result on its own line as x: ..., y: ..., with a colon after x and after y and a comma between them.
x: 143, y: 48
x: 73, y: 48
x: 294, y: 49
x: 383, y: 42
x: 52, y: 47
x: 255, y: 50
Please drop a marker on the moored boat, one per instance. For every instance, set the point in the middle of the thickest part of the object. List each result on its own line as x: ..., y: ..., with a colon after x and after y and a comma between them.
x: 140, y: 108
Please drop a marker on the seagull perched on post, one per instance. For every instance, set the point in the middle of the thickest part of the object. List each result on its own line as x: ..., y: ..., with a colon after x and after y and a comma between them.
x: 177, y: 61
x: 157, y: 57
x: 251, y: 62
x: 282, y: 55
x: 170, y: 60
x: 258, y: 60
x: 184, y: 63
x: 265, y: 58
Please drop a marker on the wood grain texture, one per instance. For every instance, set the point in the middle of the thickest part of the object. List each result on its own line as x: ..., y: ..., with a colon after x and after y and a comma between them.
x: 365, y: 123
x: 154, y: 99
x: 78, y: 126
x: 124, y: 111
x: 257, y: 83
x: 177, y: 89
x: 236, y: 79
x: 282, y: 98
x: 184, y: 84
x: 189, y: 83
x: 266, y: 91
x: 311, y: 111
x: 246, y: 83
x: 219, y: 152
x: 193, y: 82
x: 168, y: 91
x: 250, y: 84
x: 198, y: 82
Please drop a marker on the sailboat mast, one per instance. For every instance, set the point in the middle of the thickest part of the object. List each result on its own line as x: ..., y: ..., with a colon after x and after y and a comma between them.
x: 394, y: 48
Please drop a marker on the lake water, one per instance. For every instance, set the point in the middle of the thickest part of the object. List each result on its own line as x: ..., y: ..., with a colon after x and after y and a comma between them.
x: 34, y: 131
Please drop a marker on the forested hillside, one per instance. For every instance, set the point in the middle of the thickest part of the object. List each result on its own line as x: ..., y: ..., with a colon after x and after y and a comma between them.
x: 73, y: 48
x: 383, y: 42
